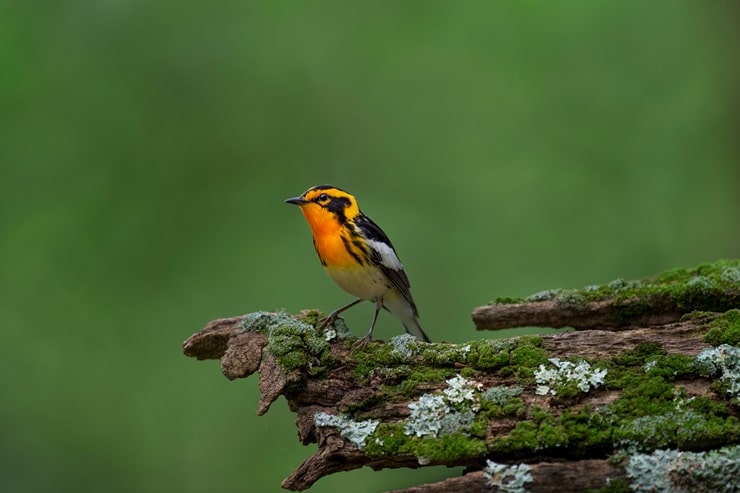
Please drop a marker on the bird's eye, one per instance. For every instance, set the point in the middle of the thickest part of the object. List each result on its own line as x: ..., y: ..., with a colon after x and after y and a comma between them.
x: 323, y: 197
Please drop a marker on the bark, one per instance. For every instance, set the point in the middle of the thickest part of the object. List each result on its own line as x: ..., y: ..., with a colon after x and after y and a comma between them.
x: 244, y: 352
x: 327, y: 381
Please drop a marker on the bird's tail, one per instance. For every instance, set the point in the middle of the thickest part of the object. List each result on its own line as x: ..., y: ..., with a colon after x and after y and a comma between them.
x: 415, y: 330
x: 406, y: 313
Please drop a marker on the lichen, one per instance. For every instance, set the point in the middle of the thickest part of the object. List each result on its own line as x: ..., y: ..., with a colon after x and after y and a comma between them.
x: 459, y: 390
x: 673, y: 471
x: 724, y: 362
x: 356, y: 432
x: 651, y: 410
x: 426, y: 414
x: 501, y: 401
x: 501, y: 394
x: 267, y: 322
x: 508, y: 478
x: 404, y: 346
x: 672, y: 429
x: 434, y: 415
x: 568, y: 377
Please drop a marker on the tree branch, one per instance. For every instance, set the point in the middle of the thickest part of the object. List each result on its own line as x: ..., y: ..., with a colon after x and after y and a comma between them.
x: 502, y: 401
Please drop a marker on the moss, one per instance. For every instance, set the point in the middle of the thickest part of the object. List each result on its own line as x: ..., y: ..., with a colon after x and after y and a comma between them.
x: 640, y: 354
x: 502, y: 401
x: 479, y: 427
x: 528, y: 353
x: 386, y: 441
x: 683, y: 429
x: 410, y: 386
x: 491, y: 354
x: 647, y: 371
x: 294, y: 342
x: 652, y: 411
x: 581, y: 431
x: 724, y: 329
x: 446, y: 449
x: 289, y: 349
x: 442, y: 355
x: 311, y: 317
x: 370, y: 357
x: 616, y: 485
x: 510, y: 357
x: 711, y: 287
x: 507, y: 300
x: 389, y: 440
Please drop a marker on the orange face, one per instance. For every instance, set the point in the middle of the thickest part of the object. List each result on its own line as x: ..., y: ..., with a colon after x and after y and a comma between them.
x: 327, y: 210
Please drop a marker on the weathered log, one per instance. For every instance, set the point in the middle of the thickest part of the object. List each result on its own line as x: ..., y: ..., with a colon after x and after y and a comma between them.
x: 621, y: 304
x: 551, y: 409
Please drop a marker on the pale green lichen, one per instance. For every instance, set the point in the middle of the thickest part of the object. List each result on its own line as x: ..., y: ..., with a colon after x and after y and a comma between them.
x: 722, y: 361
x: 269, y: 321
x: 459, y: 389
x: 436, y: 415
x: 675, y: 428
x: 426, y: 414
x: 731, y: 274
x: 552, y: 381
x: 404, y: 346
x: 356, y: 432
x: 673, y: 471
x: 501, y: 394
x: 546, y: 295
x: 508, y: 478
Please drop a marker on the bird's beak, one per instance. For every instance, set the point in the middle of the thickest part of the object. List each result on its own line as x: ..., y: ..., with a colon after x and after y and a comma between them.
x: 296, y: 201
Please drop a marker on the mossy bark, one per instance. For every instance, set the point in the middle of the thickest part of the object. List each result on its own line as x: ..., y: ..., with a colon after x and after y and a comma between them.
x: 489, y: 394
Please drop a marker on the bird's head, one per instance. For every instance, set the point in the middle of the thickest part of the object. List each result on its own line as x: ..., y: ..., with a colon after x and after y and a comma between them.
x: 324, y: 203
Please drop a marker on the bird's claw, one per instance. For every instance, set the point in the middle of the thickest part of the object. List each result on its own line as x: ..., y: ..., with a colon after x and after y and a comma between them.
x: 361, y: 343
x: 328, y: 320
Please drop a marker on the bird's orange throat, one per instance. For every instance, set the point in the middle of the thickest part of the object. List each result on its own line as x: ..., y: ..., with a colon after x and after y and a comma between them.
x: 327, y: 237
x: 322, y: 223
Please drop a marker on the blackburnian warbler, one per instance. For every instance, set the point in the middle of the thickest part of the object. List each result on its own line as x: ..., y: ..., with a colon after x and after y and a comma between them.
x: 358, y: 256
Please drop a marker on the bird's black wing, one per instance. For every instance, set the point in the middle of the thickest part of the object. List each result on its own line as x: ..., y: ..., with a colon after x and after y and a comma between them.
x: 386, y: 259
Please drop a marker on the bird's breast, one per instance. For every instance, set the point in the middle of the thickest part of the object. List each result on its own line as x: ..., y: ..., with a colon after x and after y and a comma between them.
x: 368, y: 282
x: 334, y: 253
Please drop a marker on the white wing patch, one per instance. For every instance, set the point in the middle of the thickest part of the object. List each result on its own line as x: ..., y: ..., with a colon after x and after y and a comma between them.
x: 387, y: 256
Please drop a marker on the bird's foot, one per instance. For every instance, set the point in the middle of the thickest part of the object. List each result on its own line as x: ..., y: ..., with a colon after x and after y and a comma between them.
x: 327, y: 320
x: 361, y: 343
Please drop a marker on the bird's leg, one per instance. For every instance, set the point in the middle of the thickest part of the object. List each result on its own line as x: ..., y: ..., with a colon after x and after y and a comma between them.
x: 329, y: 319
x: 369, y: 336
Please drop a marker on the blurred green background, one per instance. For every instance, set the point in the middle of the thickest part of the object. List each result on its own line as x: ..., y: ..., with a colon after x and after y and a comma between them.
x: 146, y: 148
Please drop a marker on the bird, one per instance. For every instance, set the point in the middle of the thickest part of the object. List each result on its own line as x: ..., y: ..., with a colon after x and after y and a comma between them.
x: 358, y: 256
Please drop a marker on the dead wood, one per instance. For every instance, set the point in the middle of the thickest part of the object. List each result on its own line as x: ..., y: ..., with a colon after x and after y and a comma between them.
x: 565, y: 438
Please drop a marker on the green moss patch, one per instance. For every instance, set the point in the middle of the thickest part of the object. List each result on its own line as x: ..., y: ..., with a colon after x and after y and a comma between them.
x: 724, y: 329
x: 710, y: 287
